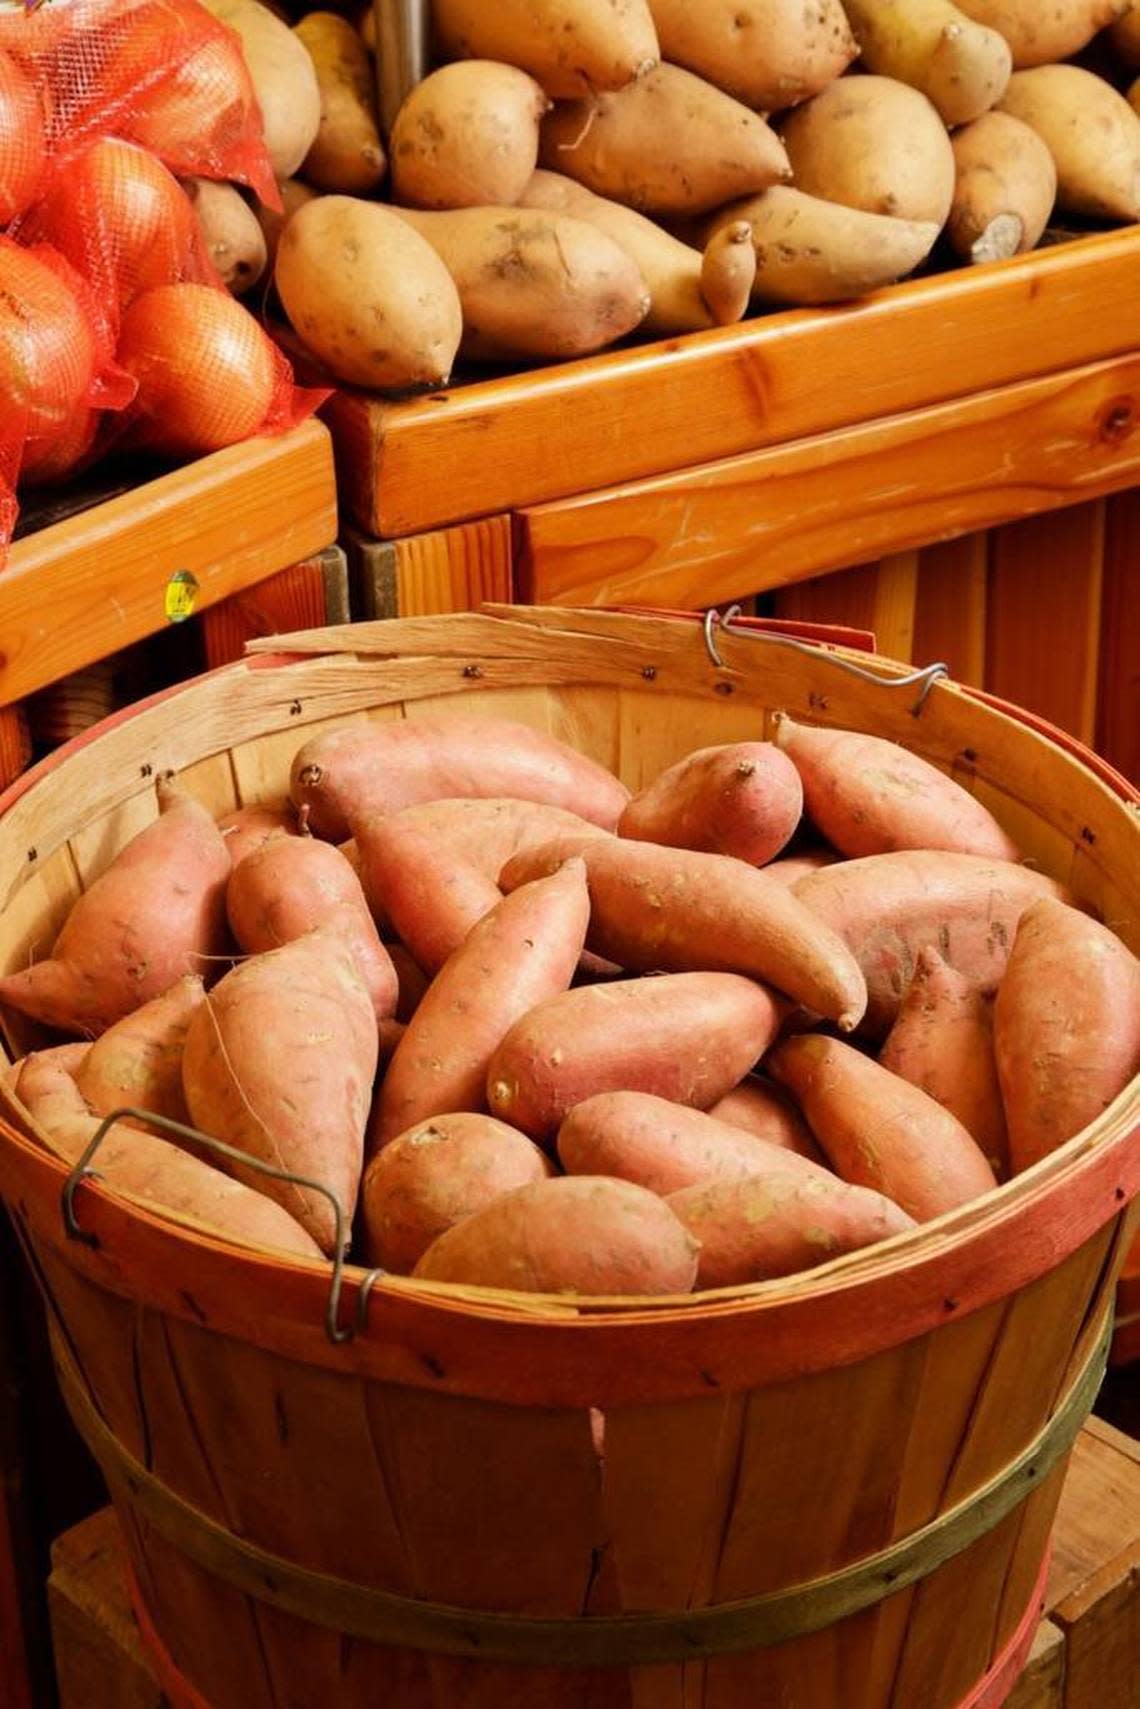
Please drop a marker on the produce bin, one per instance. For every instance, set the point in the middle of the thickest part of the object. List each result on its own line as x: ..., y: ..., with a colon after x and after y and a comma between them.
x: 835, y: 1490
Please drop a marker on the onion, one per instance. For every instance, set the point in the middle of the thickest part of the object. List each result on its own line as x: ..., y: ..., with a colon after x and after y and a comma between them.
x: 48, y: 348
x: 22, y: 146
x: 52, y: 459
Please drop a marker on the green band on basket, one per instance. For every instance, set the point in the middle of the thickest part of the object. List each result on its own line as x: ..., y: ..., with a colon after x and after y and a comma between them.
x: 617, y: 1641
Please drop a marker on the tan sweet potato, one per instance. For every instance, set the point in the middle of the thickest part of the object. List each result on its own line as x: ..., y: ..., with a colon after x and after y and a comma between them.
x: 524, y: 951
x: 959, y: 65
x: 1124, y: 36
x: 681, y: 910
x: 635, y: 1136
x: 813, y: 251
x: 432, y: 897
x: 246, y: 828
x: 943, y: 1043
x: 138, y: 1061
x: 1066, y: 1028
x: 743, y: 799
x: 1040, y: 33
x: 347, y: 154
x: 875, y: 144
x: 1005, y: 189
x: 156, y: 913
x: 792, y: 1217
x: 687, y: 1037
x: 160, y: 1175
x: 380, y: 768
x: 888, y: 907
x: 467, y: 137
x: 231, y: 233
x: 283, y: 77
x: 486, y: 833
x: 869, y: 796
x: 279, y: 1062
x: 770, y: 54
x: 292, y: 885
x: 532, y: 283
x: 581, y: 1236
x: 668, y: 144
x: 571, y: 46
x: 878, y: 1130
x: 435, y: 1174
x: 767, y: 1112
x: 1091, y: 132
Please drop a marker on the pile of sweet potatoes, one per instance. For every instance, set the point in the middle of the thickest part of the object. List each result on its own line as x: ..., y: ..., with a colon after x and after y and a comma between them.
x: 466, y: 1005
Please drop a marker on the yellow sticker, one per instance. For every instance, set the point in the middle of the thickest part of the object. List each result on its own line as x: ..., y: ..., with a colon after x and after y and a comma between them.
x: 181, y: 596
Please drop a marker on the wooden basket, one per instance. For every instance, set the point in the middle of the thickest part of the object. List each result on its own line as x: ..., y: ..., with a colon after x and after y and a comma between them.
x: 829, y: 1492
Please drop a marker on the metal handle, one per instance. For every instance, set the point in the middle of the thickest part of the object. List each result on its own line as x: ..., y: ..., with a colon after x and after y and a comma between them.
x: 401, y: 53
x: 82, y: 1172
x: 926, y: 677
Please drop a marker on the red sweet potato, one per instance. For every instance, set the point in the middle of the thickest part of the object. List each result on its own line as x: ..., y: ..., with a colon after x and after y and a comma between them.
x: 677, y: 909
x: 869, y: 796
x: 486, y: 833
x: 138, y: 1061
x: 792, y: 1217
x: 887, y: 907
x: 433, y: 1176
x: 522, y: 952
x: 413, y: 981
x: 744, y: 799
x: 69, y: 1057
x: 879, y: 1131
x: 279, y: 1062
x: 1066, y: 1028
x: 292, y: 885
x: 370, y: 768
x: 160, y: 1175
x: 582, y: 1236
x: 769, y: 1114
x: 943, y: 1042
x: 789, y: 869
x: 156, y: 913
x: 432, y: 896
x: 687, y: 1037
x: 635, y: 1136
x: 246, y: 828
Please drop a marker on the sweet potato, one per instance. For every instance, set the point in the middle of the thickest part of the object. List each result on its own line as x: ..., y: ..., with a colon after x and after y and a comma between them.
x: 139, y: 1060
x: 1091, y: 132
x: 1004, y: 191
x: 668, y: 144
x: 688, y: 290
x: 524, y: 951
x: 156, y: 913
x: 69, y: 1057
x: 813, y: 251
x: 687, y: 1037
x: 770, y: 54
x: 943, y: 1043
x: 246, y: 828
x: 875, y: 144
x: 160, y: 1175
x: 389, y: 1034
x: 273, y: 221
x: 768, y: 1113
x: 635, y: 1136
x: 791, y: 868
x: 1039, y: 34
x: 868, y: 796
x: 580, y: 1236
x: 413, y: 981
x: 347, y: 155
x: 959, y: 65
x: 379, y: 768
x: 283, y: 77
x: 887, y: 907
x: 231, y: 232
x: 571, y: 46
x: 279, y: 1062
x: 435, y: 1174
x: 467, y: 137
x: 432, y: 897
x: 532, y: 283
x: 1124, y: 37
x: 292, y: 885
x: 1066, y: 1028
x: 681, y: 910
x: 878, y: 1130
x: 744, y: 799
x: 486, y: 833
x: 792, y: 1217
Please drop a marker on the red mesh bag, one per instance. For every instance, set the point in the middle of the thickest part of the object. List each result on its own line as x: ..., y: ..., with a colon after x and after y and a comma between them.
x: 23, y: 139
x: 11, y: 450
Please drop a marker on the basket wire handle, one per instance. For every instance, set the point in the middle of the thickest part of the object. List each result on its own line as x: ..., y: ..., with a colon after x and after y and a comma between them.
x: 927, y: 677
x: 82, y: 1171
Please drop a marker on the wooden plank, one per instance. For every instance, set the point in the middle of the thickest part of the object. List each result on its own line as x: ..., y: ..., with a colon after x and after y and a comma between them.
x: 529, y: 438
x: 15, y: 743
x: 950, y: 610
x: 1118, y: 713
x: 371, y: 575
x: 99, y: 1659
x: 879, y: 597
x: 781, y: 515
x: 1042, y: 1685
x: 313, y: 591
x: 454, y: 569
x: 92, y: 584
x: 1044, y: 616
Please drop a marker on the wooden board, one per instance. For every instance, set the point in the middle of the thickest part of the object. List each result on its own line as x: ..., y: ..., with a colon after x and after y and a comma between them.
x: 1042, y: 1685
x: 450, y: 569
x: 500, y: 444
x: 881, y: 598
x: 780, y: 515
x: 15, y: 743
x: 99, y: 1660
x: 1118, y: 720
x: 314, y: 591
x: 93, y: 583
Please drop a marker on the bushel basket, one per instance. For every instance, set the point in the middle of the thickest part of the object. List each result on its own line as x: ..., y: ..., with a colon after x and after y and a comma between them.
x: 829, y: 1492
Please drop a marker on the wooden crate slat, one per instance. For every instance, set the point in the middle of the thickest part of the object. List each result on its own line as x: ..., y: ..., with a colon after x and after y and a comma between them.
x: 1118, y: 719
x: 454, y: 569
x: 879, y: 597
x: 313, y: 592
x: 950, y: 609
x: 15, y: 743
